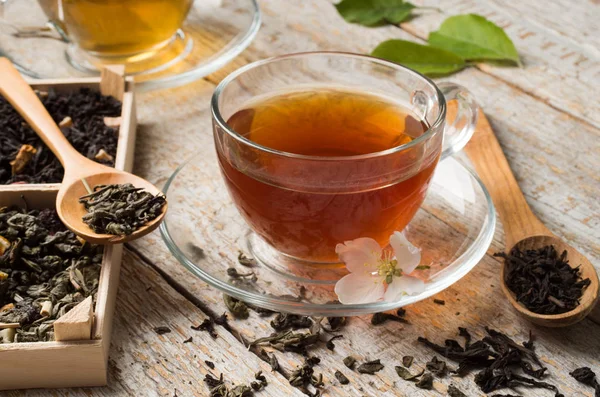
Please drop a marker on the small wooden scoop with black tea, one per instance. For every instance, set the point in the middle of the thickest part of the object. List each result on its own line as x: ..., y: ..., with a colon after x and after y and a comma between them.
x: 529, y: 243
x: 80, y: 172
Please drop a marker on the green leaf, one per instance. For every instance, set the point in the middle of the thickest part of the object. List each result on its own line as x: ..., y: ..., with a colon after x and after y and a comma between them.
x: 374, y: 12
x: 424, y: 59
x: 474, y: 38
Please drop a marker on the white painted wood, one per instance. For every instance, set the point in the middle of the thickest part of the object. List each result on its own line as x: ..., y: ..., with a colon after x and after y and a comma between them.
x: 557, y: 69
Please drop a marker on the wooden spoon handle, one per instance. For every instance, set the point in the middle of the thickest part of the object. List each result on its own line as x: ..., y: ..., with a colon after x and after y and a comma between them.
x: 493, y: 169
x: 16, y: 91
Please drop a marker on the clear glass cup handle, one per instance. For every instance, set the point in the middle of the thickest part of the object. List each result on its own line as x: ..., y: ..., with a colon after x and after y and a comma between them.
x: 458, y: 133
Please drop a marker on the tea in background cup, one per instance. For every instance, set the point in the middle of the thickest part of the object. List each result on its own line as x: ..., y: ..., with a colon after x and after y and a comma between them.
x: 320, y: 148
x: 118, y: 31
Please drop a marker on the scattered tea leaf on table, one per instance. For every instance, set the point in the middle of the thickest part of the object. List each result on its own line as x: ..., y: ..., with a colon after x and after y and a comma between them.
x: 426, y: 382
x: 284, y: 321
x: 341, y: 378
x: 424, y: 59
x: 586, y: 376
x: 260, y: 383
x: 370, y: 367
x: 236, y: 307
x: 406, y: 375
x: 437, y: 366
x: 162, y: 330
x: 454, y: 391
x: 329, y: 344
x: 349, y: 362
x: 473, y: 37
x: 498, y: 360
x: 374, y: 12
x: 380, y: 318
x: 208, y: 325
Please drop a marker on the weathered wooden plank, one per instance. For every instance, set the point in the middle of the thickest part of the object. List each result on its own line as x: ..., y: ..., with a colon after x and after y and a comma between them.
x: 561, y: 71
x: 573, y: 22
x: 557, y: 70
x: 145, y: 363
x: 471, y: 303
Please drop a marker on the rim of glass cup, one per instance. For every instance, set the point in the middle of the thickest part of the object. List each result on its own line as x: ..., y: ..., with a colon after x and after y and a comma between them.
x: 216, y: 113
x: 471, y: 258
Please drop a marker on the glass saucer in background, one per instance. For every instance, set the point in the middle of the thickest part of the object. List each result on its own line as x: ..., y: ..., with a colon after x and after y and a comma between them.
x: 214, y: 32
x: 204, y: 231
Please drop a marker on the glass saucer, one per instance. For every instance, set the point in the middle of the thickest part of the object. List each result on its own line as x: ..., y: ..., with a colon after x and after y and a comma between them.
x: 213, y: 34
x: 204, y: 231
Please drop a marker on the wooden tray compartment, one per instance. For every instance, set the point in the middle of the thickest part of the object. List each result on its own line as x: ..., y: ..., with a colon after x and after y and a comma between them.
x: 79, y: 363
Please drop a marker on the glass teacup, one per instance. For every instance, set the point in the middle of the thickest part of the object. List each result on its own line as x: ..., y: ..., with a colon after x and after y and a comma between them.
x: 142, y: 34
x: 299, y: 205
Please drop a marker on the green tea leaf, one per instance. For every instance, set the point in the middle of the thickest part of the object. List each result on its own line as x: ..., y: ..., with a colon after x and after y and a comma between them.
x: 474, y: 38
x: 423, y: 59
x: 374, y: 12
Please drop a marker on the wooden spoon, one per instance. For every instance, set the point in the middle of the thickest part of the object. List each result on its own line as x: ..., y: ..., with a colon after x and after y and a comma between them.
x: 78, y: 168
x: 522, y: 228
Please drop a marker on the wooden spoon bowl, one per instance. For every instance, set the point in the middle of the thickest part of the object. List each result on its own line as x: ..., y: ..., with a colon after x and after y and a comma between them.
x: 78, y: 168
x: 71, y: 211
x: 588, y: 299
x: 522, y: 229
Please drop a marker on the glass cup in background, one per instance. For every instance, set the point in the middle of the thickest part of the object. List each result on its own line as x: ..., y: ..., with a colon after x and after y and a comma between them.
x: 299, y: 207
x: 142, y: 34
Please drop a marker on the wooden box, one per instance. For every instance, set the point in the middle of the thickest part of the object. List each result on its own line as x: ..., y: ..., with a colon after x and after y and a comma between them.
x: 77, y: 363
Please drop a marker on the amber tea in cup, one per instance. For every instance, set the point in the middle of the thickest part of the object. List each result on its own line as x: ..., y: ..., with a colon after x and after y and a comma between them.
x: 117, y: 29
x: 328, y: 123
x: 320, y: 148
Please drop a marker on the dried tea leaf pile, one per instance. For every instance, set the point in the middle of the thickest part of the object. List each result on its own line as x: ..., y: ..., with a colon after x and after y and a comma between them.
x: 543, y: 281
x: 502, y: 363
x: 45, y: 271
x: 120, y: 209
x: 25, y: 158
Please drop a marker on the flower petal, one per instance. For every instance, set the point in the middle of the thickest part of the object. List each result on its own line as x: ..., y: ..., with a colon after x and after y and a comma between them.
x: 356, y: 288
x: 360, y: 255
x: 403, y: 285
x: 407, y: 255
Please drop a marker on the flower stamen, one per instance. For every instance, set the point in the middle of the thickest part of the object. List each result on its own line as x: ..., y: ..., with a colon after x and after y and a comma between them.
x: 386, y: 267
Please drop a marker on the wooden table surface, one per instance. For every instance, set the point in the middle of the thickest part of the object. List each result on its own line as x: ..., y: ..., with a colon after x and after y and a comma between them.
x: 547, y: 118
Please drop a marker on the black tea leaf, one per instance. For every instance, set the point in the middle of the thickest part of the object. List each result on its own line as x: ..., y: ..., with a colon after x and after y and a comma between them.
x: 349, y: 362
x: 543, y: 281
x: 370, y: 367
x: 162, y: 330
x: 454, y: 391
x: 86, y: 130
x: 406, y: 375
x: 341, y: 378
x: 426, y: 382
